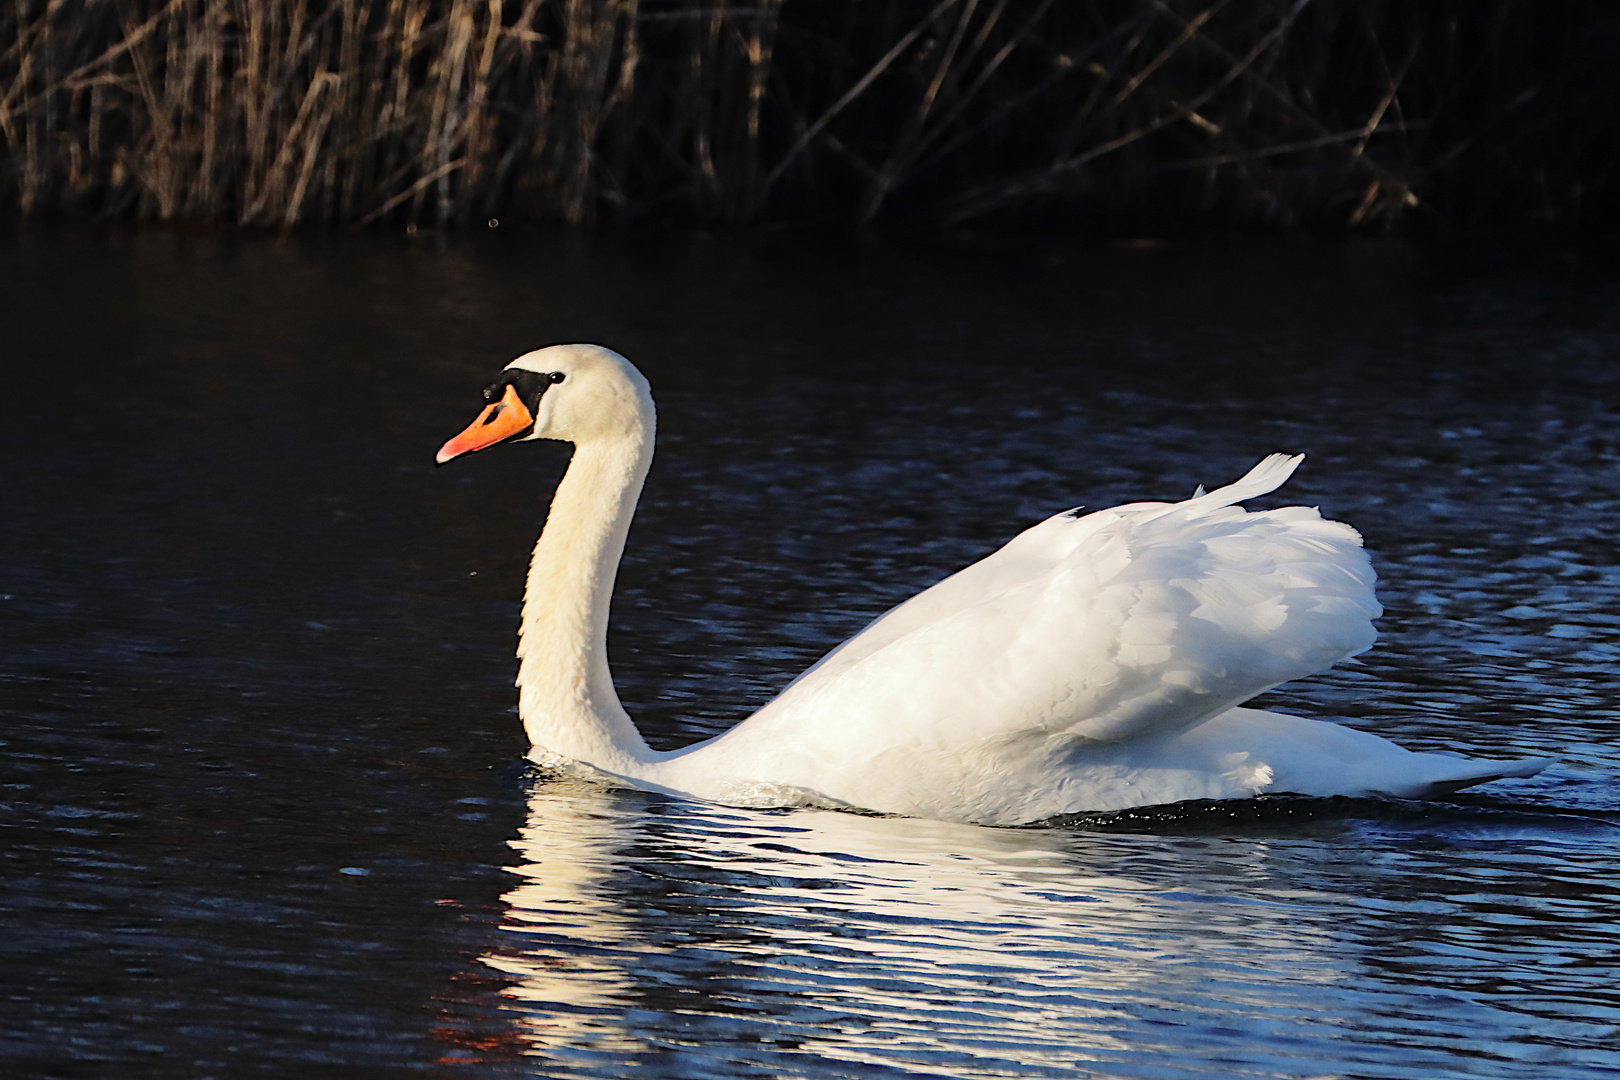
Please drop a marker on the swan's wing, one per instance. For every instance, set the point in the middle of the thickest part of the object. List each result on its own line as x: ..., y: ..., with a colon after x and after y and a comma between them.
x: 1135, y: 622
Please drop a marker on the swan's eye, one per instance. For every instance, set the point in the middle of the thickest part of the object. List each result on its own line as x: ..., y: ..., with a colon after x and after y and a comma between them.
x: 556, y: 376
x: 528, y: 384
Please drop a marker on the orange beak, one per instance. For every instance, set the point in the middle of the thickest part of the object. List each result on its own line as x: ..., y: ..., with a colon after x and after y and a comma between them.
x: 497, y: 423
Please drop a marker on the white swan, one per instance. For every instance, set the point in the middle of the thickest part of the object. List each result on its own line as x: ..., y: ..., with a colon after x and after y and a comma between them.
x: 1093, y: 663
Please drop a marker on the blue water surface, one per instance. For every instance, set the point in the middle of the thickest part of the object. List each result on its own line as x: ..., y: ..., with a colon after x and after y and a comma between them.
x: 263, y: 804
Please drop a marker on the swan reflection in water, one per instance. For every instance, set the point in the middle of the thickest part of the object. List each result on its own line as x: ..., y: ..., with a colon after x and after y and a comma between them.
x: 812, y: 940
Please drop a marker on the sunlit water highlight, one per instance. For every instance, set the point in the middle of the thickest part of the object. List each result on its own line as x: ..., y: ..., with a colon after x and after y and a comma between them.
x: 261, y: 791
x: 818, y: 943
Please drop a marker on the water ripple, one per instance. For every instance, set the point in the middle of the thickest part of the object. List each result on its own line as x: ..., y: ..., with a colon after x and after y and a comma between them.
x: 909, y: 948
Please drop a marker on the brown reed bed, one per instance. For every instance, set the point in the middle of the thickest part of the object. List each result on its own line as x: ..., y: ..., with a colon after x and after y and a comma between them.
x: 1344, y: 113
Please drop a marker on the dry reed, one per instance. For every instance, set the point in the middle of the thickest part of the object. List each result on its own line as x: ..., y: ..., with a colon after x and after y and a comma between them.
x: 280, y: 112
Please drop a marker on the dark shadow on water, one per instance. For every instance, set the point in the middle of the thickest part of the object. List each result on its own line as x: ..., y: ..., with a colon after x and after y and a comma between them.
x: 1303, y: 816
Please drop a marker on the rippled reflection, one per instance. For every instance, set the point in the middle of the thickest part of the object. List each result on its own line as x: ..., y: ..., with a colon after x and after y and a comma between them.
x: 822, y: 943
x: 569, y: 843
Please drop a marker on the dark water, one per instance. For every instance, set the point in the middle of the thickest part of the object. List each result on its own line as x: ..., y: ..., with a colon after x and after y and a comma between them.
x: 262, y: 807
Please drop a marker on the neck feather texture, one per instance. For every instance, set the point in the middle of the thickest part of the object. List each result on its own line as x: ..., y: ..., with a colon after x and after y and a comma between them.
x: 565, y: 689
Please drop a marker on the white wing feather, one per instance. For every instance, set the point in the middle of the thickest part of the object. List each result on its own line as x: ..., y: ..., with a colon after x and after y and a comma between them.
x: 1132, y: 623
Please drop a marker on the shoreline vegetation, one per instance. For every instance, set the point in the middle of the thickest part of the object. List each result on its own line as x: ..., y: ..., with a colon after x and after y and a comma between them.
x: 1332, y: 114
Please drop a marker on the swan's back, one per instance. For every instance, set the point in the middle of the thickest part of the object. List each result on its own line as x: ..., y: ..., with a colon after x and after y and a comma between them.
x: 1122, y: 626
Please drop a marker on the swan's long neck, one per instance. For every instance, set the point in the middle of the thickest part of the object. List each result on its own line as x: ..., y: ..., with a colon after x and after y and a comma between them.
x: 565, y: 690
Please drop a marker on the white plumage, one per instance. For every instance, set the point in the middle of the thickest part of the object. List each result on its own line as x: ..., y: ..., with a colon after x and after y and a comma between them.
x: 1094, y: 663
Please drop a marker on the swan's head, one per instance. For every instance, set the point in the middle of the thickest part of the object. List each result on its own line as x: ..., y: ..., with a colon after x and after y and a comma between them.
x: 576, y: 393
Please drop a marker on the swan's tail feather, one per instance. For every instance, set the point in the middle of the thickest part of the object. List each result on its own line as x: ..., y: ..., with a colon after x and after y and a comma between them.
x: 1487, y: 771
x: 1263, y: 479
